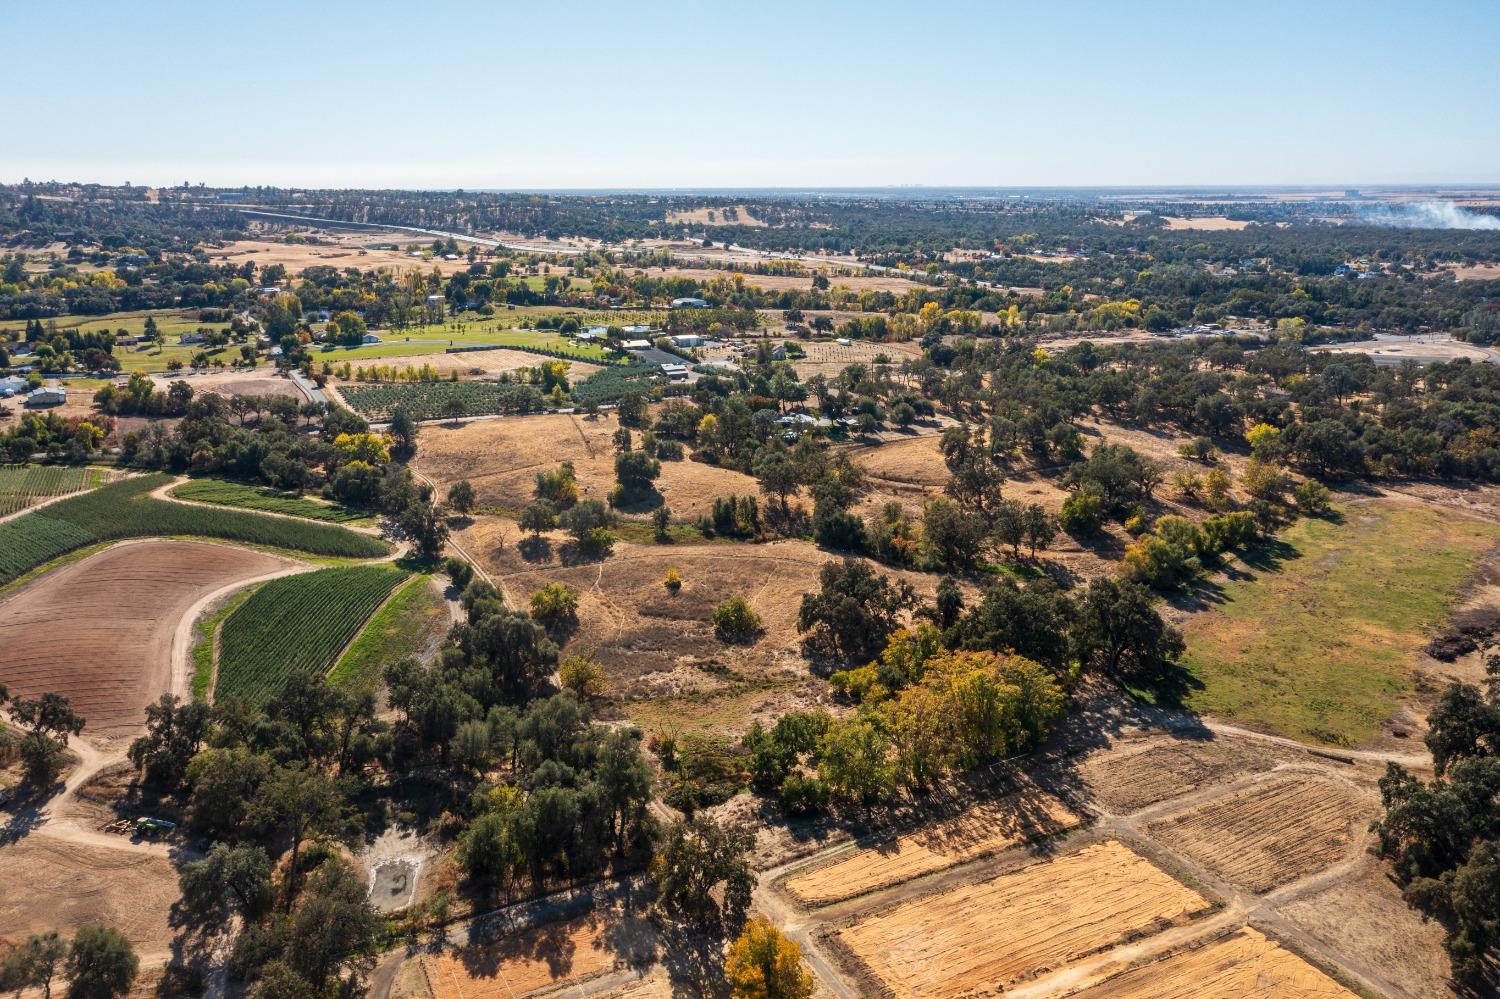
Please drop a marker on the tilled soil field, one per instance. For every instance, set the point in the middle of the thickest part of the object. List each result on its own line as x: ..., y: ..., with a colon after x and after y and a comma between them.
x: 52, y: 885
x: 989, y: 936
x: 982, y: 830
x: 1271, y: 833
x: 100, y: 630
x: 1243, y: 965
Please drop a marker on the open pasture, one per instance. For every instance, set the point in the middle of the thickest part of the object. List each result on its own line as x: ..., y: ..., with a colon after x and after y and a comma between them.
x: 1272, y: 832
x: 100, y: 631
x: 295, y: 623
x: 1244, y: 964
x: 990, y: 936
x: 1319, y: 639
x: 22, y: 486
x: 501, y: 458
x: 983, y: 829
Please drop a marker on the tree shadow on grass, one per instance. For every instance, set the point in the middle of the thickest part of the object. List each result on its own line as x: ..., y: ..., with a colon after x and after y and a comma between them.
x: 537, y: 548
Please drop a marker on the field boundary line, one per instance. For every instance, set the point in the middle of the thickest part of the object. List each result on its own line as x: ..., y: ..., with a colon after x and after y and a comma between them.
x: 411, y: 580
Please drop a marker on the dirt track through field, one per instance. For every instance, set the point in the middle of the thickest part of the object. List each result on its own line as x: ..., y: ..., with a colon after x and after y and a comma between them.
x: 1243, y: 965
x: 983, y: 830
x: 1271, y: 833
x: 994, y: 934
x: 101, y: 631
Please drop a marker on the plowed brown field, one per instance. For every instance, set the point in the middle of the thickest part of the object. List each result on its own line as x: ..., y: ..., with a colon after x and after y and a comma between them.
x: 46, y: 884
x: 1270, y: 834
x: 1242, y: 965
x: 100, y: 631
x: 538, y: 959
x: 991, y: 935
x: 982, y: 830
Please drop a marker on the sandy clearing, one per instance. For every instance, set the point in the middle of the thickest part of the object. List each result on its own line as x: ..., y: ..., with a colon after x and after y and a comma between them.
x: 1242, y: 965
x: 984, y: 829
x: 54, y: 885
x: 1271, y: 833
x: 255, y: 381
x: 1210, y: 223
x: 103, y: 630
x: 994, y: 934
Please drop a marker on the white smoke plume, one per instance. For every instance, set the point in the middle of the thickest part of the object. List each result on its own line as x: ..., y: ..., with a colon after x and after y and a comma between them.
x: 1426, y: 215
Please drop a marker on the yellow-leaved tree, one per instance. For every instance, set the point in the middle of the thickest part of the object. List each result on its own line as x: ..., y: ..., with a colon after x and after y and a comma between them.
x: 766, y: 964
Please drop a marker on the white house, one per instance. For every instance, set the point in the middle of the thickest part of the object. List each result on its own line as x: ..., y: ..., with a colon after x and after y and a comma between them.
x: 637, y: 345
x: 370, y: 338
x: 12, y: 386
x: 689, y: 303
x: 637, y: 330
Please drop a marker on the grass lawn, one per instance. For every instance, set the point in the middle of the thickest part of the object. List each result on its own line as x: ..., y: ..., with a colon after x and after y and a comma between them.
x: 1317, y: 641
x: 712, y: 712
x: 411, y: 621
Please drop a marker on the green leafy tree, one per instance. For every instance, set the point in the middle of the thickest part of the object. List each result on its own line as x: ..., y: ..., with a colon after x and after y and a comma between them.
x: 101, y: 964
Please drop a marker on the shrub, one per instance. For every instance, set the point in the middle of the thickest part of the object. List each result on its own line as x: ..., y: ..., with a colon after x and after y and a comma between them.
x: 459, y: 571
x: 1082, y: 514
x: 555, y: 605
x: 803, y: 795
x: 735, y: 621
x: 1312, y: 498
x: 673, y: 580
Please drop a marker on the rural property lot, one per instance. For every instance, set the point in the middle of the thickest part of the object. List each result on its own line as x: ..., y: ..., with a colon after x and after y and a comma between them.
x: 982, y: 830
x: 997, y: 933
x: 100, y: 631
x: 500, y: 458
x: 54, y: 885
x: 1244, y: 964
x: 1272, y: 832
x: 1128, y: 781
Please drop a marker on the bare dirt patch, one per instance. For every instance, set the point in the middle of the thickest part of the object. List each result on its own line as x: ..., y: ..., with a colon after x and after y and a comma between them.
x: 470, y: 364
x: 1244, y: 964
x: 992, y: 935
x: 256, y: 382
x: 726, y: 215
x: 982, y: 830
x: 52, y: 885
x: 100, y: 630
x: 1208, y: 223
x: 1271, y: 833
x: 541, y: 958
x: 341, y: 251
x: 1384, y: 932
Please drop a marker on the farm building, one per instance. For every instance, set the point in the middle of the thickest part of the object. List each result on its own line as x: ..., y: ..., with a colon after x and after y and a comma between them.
x: 676, y: 372
x: 689, y: 303
x: 637, y: 345
x: 12, y: 386
x: 637, y: 330
x: 48, y: 395
x: 686, y: 340
x: 370, y: 338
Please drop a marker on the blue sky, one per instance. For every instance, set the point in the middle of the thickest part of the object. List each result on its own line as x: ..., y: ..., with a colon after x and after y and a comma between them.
x: 584, y: 94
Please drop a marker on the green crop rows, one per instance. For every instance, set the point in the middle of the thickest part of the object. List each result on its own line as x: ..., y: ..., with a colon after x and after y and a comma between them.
x: 612, y: 383
x: 297, y: 622
x: 224, y: 493
x: 23, y: 485
x: 430, y: 400
x: 124, y: 510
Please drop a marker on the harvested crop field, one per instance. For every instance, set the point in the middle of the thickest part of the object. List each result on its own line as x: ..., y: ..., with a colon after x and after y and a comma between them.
x: 830, y: 357
x: 1245, y: 964
x: 53, y: 885
x: 995, y: 934
x: 468, y: 364
x: 100, y: 631
x: 501, y: 458
x: 980, y: 831
x: 1127, y: 779
x: 1271, y: 833
x: 541, y: 958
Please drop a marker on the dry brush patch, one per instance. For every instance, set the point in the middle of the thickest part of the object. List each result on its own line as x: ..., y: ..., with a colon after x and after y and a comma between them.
x: 1018, y: 924
x: 982, y: 830
x: 1244, y: 964
x: 1272, y: 833
x: 100, y: 630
